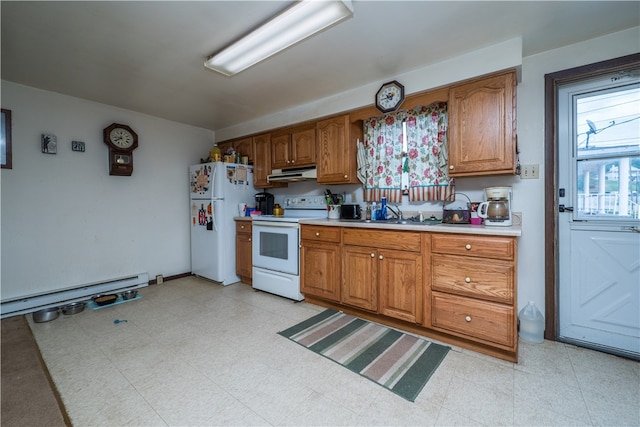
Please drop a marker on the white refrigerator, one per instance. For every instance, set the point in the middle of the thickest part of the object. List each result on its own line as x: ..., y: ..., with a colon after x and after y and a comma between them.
x: 216, y: 190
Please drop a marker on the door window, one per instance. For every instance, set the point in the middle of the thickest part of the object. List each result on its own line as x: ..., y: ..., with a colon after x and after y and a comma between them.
x: 607, y: 151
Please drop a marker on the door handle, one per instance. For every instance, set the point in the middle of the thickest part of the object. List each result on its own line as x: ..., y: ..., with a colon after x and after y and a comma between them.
x: 563, y: 208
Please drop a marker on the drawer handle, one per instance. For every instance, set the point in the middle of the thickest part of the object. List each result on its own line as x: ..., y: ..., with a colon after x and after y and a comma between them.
x: 373, y: 255
x: 318, y: 234
x: 467, y: 279
x: 468, y: 318
x: 467, y: 247
x: 380, y: 257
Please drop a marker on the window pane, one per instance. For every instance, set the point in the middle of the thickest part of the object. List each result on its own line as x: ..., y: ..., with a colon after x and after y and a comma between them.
x: 608, y: 122
x: 608, y: 188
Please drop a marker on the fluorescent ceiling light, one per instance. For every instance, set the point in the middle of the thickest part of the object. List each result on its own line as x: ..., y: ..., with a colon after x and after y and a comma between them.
x: 302, y: 20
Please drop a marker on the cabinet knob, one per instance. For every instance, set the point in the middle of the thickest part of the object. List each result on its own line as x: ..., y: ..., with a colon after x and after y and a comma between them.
x: 468, y: 318
x: 451, y: 167
x: 293, y: 161
x: 467, y: 247
x: 346, y: 177
x: 318, y: 234
x: 373, y: 255
x: 242, y: 226
x: 249, y: 238
x: 467, y: 279
x: 380, y: 257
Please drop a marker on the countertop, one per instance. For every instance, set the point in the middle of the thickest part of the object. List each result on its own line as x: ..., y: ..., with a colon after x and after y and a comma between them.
x: 514, y: 230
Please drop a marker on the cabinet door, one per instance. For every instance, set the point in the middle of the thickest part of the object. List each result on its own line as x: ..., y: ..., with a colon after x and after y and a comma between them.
x: 303, y: 148
x: 262, y: 162
x: 482, y: 127
x: 244, y: 147
x: 243, y: 250
x: 280, y: 152
x: 320, y: 270
x: 224, y: 147
x: 360, y: 278
x: 243, y: 255
x: 335, y: 157
x: 400, y: 285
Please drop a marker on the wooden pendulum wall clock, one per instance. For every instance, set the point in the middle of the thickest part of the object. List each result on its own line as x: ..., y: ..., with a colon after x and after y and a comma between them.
x: 122, y: 140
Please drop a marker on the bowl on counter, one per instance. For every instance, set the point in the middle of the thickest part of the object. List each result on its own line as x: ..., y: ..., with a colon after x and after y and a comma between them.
x: 132, y: 293
x: 73, y: 308
x: 105, y: 299
x: 46, y: 315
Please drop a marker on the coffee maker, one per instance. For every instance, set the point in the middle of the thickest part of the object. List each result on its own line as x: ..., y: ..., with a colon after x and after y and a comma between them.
x: 264, y: 203
x: 496, y: 210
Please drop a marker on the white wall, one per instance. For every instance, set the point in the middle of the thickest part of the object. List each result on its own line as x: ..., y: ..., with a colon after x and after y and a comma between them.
x: 66, y: 221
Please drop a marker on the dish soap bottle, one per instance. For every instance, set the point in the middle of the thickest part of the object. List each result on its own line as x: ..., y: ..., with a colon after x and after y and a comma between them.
x: 367, y: 212
x: 383, y: 209
x: 531, y: 324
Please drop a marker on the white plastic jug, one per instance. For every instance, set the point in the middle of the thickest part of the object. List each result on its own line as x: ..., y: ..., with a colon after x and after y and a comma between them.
x: 531, y: 324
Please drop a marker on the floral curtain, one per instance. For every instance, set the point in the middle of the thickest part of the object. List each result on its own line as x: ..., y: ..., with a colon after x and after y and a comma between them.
x: 427, y: 154
x: 383, y: 142
x: 426, y: 158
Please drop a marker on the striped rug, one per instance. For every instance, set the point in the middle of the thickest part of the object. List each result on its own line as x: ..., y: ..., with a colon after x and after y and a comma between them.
x: 397, y: 361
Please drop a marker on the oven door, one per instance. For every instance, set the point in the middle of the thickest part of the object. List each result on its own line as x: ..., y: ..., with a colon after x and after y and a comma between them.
x: 276, y: 246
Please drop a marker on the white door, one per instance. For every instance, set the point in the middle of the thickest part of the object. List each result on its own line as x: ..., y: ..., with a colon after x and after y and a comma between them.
x: 599, y: 221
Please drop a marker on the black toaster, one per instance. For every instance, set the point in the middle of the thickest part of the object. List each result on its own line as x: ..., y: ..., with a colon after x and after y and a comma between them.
x: 350, y: 212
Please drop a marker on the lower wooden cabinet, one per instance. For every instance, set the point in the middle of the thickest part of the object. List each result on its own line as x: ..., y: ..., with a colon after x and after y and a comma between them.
x: 471, y: 318
x: 360, y: 278
x: 454, y: 287
x: 320, y: 262
x: 383, y: 272
x: 243, y: 251
x: 473, y: 289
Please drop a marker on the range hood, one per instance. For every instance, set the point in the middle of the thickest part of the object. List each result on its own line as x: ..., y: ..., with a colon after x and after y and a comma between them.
x: 304, y: 173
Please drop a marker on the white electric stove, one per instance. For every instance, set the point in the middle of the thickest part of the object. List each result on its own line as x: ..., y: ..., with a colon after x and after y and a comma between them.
x: 276, y: 246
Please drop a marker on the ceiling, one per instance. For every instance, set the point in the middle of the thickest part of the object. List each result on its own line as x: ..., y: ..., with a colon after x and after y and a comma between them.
x: 148, y: 56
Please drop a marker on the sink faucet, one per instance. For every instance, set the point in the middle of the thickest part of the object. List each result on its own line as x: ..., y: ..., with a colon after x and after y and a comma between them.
x: 397, y: 212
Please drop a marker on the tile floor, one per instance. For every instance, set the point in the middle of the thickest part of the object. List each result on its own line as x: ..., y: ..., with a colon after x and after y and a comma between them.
x: 196, y: 353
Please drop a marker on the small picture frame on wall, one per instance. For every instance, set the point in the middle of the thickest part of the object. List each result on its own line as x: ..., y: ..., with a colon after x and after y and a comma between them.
x: 5, y: 140
x: 49, y: 143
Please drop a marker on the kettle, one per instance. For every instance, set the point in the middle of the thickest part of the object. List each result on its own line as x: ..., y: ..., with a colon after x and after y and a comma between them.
x: 278, y: 210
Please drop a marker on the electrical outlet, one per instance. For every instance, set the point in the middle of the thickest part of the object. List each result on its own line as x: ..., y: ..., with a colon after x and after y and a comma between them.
x: 530, y: 171
x: 159, y: 279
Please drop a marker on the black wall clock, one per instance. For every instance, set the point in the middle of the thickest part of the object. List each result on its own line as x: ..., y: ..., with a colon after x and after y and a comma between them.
x: 390, y: 96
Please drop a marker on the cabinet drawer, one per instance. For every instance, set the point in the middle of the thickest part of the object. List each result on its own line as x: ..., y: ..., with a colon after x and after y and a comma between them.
x: 400, y: 240
x: 477, y: 320
x: 475, y: 277
x: 243, y: 226
x: 320, y: 234
x: 477, y: 246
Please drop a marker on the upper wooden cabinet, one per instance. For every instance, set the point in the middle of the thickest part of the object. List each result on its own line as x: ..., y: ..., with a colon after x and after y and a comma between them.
x: 243, y: 146
x: 262, y: 164
x: 482, y: 126
x: 294, y: 148
x: 336, y: 150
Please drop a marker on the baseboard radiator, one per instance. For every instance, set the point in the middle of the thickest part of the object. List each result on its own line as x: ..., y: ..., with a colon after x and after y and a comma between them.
x: 37, y: 302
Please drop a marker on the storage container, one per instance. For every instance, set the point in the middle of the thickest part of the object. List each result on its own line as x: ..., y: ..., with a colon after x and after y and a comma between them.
x: 531, y: 324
